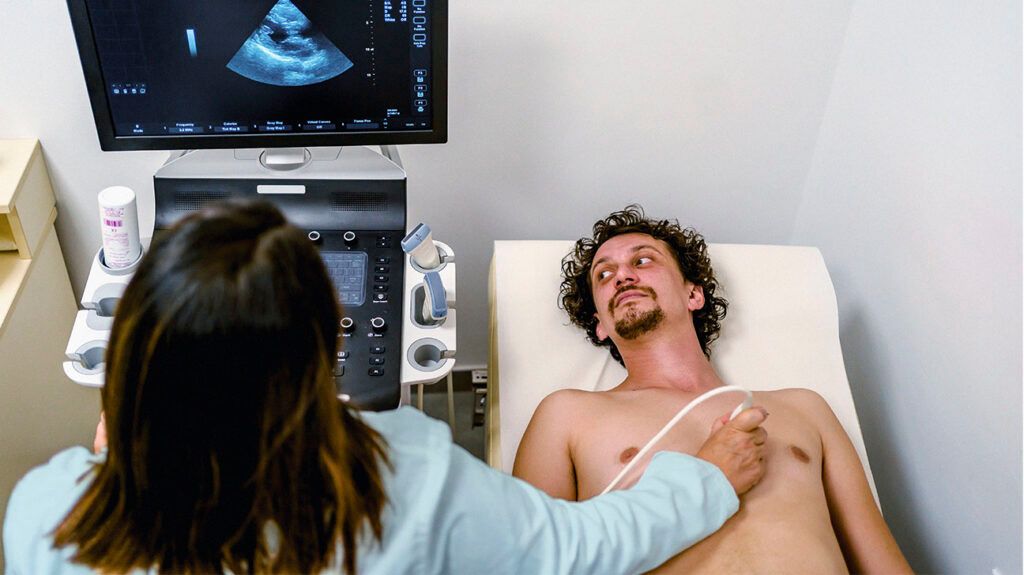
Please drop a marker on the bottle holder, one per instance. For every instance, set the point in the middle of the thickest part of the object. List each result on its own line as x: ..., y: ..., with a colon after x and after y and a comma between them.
x: 105, y: 285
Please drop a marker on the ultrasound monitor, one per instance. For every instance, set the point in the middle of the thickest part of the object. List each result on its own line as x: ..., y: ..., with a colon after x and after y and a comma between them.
x: 197, y: 74
x: 280, y: 100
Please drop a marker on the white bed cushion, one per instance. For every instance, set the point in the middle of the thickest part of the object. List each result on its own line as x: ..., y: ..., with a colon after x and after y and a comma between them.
x: 781, y: 331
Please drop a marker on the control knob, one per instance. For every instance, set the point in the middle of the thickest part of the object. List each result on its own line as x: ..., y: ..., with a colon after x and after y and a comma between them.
x: 347, y: 324
x: 378, y: 324
x: 349, y: 237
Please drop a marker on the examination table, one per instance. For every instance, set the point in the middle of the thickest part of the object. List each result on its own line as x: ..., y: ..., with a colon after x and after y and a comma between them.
x: 781, y: 331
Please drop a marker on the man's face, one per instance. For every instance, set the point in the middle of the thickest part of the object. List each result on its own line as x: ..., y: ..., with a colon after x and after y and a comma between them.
x: 637, y: 286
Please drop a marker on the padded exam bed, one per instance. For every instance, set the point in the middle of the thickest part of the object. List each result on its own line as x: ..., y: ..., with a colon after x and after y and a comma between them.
x: 781, y: 331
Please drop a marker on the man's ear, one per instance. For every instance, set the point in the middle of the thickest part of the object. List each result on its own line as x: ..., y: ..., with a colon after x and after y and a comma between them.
x: 602, y: 333
x: 696, y: 299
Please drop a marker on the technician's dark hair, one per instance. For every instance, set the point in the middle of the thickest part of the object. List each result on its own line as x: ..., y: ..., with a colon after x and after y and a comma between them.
x: 228, y: 448
x: 688, y: 248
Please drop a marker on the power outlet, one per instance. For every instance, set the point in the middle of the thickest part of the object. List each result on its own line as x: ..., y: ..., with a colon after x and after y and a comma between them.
x: 479, y: 379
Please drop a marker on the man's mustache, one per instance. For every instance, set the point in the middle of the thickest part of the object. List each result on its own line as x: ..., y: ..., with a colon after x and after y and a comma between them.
x: 624, y: 289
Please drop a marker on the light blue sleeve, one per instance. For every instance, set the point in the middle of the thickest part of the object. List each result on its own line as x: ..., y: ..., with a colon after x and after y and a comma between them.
x: 490, y: 522
x: 40, y: 501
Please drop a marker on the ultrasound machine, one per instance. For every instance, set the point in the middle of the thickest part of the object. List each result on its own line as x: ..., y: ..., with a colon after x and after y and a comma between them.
x: 279, y: 100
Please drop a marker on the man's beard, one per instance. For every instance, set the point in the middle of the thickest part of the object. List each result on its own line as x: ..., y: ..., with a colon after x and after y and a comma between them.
x: 635, y: 324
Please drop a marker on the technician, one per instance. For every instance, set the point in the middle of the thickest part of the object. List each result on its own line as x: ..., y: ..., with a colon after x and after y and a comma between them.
x: 228, y: 449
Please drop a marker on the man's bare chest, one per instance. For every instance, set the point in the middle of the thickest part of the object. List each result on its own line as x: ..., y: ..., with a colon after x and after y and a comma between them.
x: 615, y: 433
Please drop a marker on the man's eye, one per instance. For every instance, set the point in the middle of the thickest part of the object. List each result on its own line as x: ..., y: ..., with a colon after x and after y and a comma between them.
x: 603, y: 274
x: 643, y: 260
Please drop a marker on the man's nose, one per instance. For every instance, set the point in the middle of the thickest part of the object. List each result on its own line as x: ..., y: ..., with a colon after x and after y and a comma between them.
x: 624, y: 275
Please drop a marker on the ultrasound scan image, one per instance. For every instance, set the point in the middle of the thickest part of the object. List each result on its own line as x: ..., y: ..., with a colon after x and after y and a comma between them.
x: 288, y: 50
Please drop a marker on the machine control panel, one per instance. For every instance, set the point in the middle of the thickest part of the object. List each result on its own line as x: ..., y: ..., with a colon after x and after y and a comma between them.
x: 367, y: 269
x: 350, y: 204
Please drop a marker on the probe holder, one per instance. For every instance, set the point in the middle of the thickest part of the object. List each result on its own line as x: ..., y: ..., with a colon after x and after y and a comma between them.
x: 85, y: 354
x: 428, y: 344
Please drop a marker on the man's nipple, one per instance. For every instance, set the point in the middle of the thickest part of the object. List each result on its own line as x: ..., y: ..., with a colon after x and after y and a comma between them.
x: 799, y: 454
x: 628, y: 454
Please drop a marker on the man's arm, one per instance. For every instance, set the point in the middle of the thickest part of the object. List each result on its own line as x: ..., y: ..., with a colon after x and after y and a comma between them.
x: 544, y: 458
x: 867, y: 543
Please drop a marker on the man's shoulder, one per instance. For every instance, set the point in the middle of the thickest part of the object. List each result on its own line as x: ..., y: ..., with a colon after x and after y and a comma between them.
x: 796, y: 396
x: 564, y: 410
x: 569, y: 396
x: 807, y: 402
x: 569, y: 401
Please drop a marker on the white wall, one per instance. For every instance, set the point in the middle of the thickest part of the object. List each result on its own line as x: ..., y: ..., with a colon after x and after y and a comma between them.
x: 914, y: 197
x: 709, y: 112
x: 42, y: 95
x: 560, y: 113
x: 564, y: 111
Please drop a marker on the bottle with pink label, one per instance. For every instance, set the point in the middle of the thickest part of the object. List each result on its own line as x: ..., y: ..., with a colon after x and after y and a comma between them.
x: 119, y: 227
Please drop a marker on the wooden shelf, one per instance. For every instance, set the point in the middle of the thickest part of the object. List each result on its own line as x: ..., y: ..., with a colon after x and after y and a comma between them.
x: 26, y: 196
x: 14, y: 270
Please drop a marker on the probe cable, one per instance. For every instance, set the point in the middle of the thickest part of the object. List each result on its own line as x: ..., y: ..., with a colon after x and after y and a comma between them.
x: 747, y: 402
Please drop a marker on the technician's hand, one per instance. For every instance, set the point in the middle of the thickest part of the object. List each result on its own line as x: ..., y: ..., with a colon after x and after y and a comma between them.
x: 100, y: 442
x: 737, y: 448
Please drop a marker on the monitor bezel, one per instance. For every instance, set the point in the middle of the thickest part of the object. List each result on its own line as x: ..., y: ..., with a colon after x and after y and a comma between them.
x: 109, y: 141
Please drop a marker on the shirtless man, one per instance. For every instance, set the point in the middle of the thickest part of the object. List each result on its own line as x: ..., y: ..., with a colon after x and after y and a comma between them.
x: 646, y: 289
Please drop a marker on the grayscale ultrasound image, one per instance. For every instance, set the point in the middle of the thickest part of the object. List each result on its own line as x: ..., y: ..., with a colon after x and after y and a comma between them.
x: 288, y: 50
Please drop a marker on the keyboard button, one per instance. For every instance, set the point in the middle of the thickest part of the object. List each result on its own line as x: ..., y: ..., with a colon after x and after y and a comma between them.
x: 376, y: 371
x: 339, y: 370
x: 376, y: 361
x: 377, y: 349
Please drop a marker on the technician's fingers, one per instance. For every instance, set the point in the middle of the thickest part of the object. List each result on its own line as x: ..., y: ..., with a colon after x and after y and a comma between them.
x: 760, y: 436
x: 749, y: 419
x: 719, y: 423
x: 738, y: 448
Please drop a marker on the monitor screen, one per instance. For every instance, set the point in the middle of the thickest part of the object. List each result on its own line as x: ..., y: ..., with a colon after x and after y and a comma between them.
x: 191, y: 74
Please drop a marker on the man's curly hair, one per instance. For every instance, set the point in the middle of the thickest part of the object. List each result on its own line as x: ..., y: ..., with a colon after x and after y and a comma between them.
x: 689, y: 249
